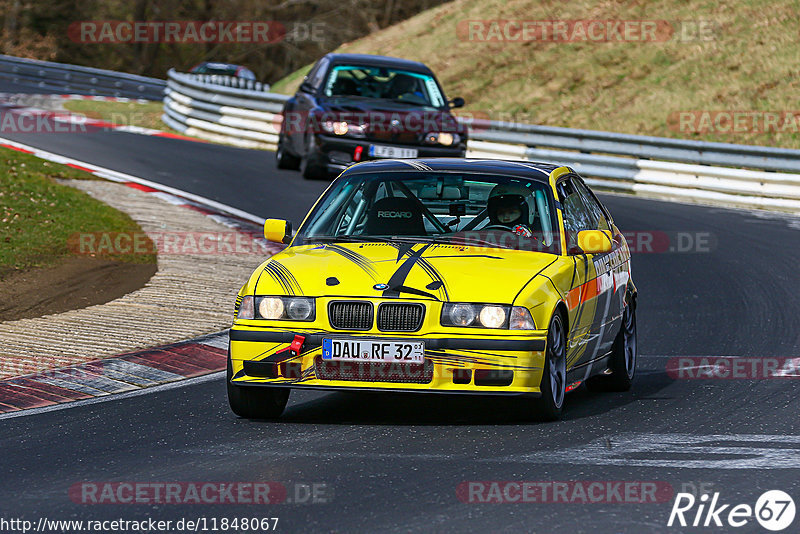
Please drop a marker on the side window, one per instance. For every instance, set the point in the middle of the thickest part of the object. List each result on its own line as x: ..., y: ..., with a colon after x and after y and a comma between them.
x: 592, y: 204
x: 577, y: 216
x: 319, y: 74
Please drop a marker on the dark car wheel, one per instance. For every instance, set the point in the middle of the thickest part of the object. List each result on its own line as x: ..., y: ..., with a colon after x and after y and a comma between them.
x: 284, y: 159
x: 623, y: 357
x: 256, y: 402
x: 549, y: 405
x: 309, y: 167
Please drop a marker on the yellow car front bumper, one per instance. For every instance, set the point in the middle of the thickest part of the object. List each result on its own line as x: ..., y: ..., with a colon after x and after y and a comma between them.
x: 476, y: 364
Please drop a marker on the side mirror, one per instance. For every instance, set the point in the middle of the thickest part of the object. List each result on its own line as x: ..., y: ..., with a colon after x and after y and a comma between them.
x: 306, y: 87
x: 457, y: 102
x: 595, y: 241
x: 278, y: 231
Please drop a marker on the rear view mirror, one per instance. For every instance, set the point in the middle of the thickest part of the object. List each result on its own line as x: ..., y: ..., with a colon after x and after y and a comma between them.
x: 595, y: 241
x: 278, y: 231
x: 457, y: 102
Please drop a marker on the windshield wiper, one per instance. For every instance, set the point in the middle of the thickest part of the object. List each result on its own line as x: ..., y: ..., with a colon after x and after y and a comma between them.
x: 346, y: 239
x: 444, y: 239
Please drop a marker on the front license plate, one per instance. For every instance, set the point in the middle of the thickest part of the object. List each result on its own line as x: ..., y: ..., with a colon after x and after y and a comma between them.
x: 380, y: 151
x: 358, y: 350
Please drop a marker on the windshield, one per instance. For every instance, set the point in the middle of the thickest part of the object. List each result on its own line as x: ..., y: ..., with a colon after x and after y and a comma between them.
x: 469, y: 209
x: 381, y: 82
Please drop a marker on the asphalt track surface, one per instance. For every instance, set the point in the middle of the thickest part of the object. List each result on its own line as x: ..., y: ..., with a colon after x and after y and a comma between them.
x: 392, y: 462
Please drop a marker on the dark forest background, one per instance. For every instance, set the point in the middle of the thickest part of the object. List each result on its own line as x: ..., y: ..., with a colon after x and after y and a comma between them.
x: 38, y: 29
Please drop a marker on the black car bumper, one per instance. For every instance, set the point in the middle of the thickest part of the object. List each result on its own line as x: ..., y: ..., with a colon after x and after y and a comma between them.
x: 337, y: 153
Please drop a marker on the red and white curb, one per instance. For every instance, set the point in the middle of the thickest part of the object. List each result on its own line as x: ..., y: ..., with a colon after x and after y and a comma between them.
x: 119, y: 374
x: 128, y: 373
x: 74, y: 122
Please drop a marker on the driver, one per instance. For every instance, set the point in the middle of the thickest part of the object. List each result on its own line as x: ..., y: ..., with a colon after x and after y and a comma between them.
x: 511, y: 206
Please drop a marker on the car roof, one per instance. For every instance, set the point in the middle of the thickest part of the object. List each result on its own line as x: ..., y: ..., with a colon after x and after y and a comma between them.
x: 379, y: 61
x: 524, y: 169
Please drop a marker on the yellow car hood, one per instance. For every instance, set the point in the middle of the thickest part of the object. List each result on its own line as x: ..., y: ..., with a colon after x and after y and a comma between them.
x: 444, y: 272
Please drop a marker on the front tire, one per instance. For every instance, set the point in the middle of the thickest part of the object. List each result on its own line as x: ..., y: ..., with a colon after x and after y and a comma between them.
x: 285, y: 160
x: 623, y: 357
x: 309, y: 167
x: 549, y: 406
x: 256, y: 402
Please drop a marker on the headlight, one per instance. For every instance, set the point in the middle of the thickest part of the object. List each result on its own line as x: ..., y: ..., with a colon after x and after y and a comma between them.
x: 462, y: 314
x: 286, y: 308
x: 270, y: 308
x: 475, y: 315
x: 521, y: 319
x: 344, y: 127
x: 247, y: 308
x: 492, y: 316
x: 299, y: 309
x: 442, y: 138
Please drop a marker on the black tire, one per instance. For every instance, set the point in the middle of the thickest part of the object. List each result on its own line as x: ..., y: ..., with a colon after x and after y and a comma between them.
x: 308, y: 165
x: 255, y: 402
x: 623, y: 357
x: 284, y: 159
x: 549, y: 406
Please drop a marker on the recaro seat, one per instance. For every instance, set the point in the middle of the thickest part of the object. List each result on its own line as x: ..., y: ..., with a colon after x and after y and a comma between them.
x: 395, y: 216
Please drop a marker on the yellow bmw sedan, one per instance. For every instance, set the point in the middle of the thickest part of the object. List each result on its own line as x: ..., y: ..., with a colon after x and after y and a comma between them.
x: 446, y: 276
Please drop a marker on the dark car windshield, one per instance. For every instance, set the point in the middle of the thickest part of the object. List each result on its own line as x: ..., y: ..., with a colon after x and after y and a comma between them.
x: 452, y: 208
x: 386, y: 83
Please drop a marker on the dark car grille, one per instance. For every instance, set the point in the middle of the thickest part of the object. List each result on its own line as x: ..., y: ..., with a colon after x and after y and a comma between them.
x: 395, y: 137
x: 374, y: 371
x: 350, y: 315
x: 400, y: 317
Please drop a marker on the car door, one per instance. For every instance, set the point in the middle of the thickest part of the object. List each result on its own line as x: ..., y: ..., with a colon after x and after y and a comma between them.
x: 587, y: 298
x: 608, y: 267
x: 304, y: 101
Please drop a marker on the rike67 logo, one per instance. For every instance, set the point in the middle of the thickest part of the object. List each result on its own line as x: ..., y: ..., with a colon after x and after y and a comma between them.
x: 774, y: 510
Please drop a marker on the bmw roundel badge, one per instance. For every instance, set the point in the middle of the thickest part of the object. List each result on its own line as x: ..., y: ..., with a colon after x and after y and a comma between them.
x: 381, y: 287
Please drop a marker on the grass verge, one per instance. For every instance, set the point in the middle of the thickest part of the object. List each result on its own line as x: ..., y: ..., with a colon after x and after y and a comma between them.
x: 39, y: 216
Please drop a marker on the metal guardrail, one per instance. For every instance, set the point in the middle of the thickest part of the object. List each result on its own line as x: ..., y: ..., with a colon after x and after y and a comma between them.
x: 63, y: 78
x: 717, y: 173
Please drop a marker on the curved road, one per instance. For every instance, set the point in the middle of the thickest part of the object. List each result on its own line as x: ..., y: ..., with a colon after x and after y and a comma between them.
x: 393, y: 462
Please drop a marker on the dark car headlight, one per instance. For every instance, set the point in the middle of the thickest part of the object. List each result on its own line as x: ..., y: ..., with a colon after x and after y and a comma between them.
x: 486, y: 316
x: 342, y: 128
x: 278, y: 308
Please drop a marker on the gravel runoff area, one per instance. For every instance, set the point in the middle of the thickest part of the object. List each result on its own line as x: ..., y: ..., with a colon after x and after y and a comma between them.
x: 191, y: 294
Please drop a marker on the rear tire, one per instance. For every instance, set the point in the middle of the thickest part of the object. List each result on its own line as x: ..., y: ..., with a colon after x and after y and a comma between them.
x: 255, y: 402
x: 623, y: 357
x: 549, y: 406
x: 284, y: 159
